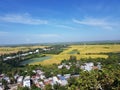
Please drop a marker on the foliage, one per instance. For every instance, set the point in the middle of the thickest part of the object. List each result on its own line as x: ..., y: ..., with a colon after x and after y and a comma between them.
x: 23, y: 88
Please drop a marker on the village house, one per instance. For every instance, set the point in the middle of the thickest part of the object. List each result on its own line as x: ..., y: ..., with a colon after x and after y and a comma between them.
x: 90, y: 66
x: 37, y: 50
x: 67, y: 76
x: 7, y: 79
x: 27, y: 82
x: 1, y: 88
x: 47, y: 81
x: 55, y: 80
x: 64, y: 65
x: 20, y: 81
x: 62, y: 80
x: 0, y: 83
x: 41, y: 84
x: 20, y: 55
x: 99, y: 65
x: 16, y: 76
x: 7, y: 58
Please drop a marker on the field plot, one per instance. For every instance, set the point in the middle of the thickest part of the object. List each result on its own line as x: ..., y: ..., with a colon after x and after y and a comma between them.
x: 83, y: 51
x: 74, y: 51
x: 7, y: 50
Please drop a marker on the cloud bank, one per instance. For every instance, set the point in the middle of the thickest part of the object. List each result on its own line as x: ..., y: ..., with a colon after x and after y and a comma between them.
x: 22, y: 19
x: 103, y: 23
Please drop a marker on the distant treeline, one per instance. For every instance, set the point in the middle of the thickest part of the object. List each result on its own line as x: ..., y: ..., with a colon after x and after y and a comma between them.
x: 66, y: 43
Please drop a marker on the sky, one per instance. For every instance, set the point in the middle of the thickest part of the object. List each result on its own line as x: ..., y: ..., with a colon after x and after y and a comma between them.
x: 48, y: 21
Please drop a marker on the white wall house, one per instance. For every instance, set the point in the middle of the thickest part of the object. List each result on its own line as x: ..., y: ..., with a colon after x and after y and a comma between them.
x: 56, y: 80
x: 87, y: 66
x: 62, y: 80
x: 99, y: 65
x: 20, y: 80
x: 26, y: 82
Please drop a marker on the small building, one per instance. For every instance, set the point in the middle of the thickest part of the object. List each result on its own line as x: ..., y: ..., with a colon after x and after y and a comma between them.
x: 67, y: 67
x: 1, y: 88
x: 35, y: 81
x: 39, y: 72
x: 64, y: 65
x: 47, y: 81
x: 7, y: 79
x: 20, y: 80
x: 37, y: 51
x: 99, y: 65
x: 30, y: 52
x: 41, y: 84
x: 55, y: 80
x: 62, y: 80
x: 27, y: 82
x: 67, y: 76
x: 16, y: 76
x: 42, y: 76
x: 90, y: 66
x: 33, y: 71
x: 0, y: 81
x: 75, y: 75
x: 60, y: 66
x: 87, y: 66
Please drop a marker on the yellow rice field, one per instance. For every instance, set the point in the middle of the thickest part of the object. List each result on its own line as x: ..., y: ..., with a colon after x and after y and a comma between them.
x: 7, y: 50
x: 83, y: 50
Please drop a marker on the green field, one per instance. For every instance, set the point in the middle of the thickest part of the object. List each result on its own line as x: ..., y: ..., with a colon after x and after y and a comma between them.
x: 35, y: 60
x: 74, y: 52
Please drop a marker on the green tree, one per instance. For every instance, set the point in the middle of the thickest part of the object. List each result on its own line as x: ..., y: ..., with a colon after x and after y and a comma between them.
x: 23, y: 88
x: 48, y: 87
x: 5, y: 84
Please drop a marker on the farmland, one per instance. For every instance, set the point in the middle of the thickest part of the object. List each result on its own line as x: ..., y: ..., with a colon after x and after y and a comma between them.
x: 7, y: 50
x: 82, y: 51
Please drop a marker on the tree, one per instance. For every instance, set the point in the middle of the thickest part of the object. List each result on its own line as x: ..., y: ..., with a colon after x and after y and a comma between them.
x: 72, y: 59
x: 48, y: 87
x: 33, y: 87
x: 23, y: 88
x: 4, y: 83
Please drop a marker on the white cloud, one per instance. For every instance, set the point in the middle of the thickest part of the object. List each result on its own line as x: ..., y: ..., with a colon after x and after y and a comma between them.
x: 22, y: 19
x: 103, y: 23
x: 66, y: 27
x: 44, y: 35
x: 48, y: 35
x: 40, y: 38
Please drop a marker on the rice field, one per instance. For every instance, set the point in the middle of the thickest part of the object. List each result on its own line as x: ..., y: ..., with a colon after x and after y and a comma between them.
x: 7, y: 50
x: 80, y: 51
x: 86, y: 51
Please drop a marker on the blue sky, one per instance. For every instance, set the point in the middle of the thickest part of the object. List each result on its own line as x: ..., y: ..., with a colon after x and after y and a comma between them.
x: 41, y: 21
